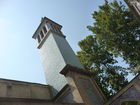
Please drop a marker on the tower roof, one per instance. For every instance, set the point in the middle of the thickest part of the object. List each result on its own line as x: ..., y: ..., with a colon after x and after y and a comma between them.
x: 43, y: 21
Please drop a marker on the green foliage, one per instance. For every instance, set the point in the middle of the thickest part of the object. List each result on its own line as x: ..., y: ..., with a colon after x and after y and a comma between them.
x: 116, y: 27
x: 95, y: 58
x: 116, y: 33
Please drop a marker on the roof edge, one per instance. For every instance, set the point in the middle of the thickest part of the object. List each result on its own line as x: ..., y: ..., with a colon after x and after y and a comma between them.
x: 23, y: 82
x: 69, y: 67
x: 42, y: 20
x: 123, y: 89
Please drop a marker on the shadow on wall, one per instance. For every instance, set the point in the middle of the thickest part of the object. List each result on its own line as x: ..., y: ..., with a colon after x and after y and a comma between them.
x: 68, y: 97
x: 53, y: 91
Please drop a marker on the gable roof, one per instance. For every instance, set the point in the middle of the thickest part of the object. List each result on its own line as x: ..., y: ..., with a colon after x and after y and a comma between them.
x: 122, y: 91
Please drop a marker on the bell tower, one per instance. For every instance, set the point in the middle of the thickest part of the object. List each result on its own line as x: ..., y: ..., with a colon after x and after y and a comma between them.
x: 55, y: 53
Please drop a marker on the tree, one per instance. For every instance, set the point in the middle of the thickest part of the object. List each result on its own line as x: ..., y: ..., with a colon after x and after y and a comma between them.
x: 116, y: 27
x: 95, y: 58
x: 116, y: 33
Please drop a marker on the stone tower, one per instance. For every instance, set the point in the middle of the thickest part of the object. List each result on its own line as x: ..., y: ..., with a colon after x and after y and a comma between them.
x: 55, y: 52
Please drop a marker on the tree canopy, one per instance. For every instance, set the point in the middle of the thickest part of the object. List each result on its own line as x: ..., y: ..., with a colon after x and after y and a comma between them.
x: 115, y: 33
x: 117, y: 28
x: 95, y: 58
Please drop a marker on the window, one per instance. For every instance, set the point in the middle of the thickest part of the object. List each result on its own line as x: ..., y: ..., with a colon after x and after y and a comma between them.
x: 38, y: 38
x: 58, y: 30
x: 42, y: 35
x: 44, y: 29
x: 53, y: 27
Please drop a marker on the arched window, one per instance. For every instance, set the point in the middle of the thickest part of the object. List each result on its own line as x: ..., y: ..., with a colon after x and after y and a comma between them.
x: 42, y: 35
x: 38, y: 38
x: 44, y: 29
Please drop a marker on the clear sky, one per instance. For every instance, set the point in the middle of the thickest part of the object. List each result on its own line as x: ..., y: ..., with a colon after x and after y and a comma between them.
x: 19, y: 57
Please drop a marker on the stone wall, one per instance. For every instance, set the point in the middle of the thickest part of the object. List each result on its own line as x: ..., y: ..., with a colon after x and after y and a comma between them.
x: 129, y: 93
x: 18, y: 89
x: 83, y: 88
x: 33, y: 103
x: 132, y: 94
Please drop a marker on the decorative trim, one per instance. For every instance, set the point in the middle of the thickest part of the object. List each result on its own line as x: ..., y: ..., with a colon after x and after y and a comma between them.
x: 45, y: 19
x: 47, y: 35
x: 68, y: 68
x: 21, y: 82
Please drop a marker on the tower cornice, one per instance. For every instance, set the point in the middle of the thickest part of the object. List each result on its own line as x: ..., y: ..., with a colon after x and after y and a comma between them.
x: 43, y: 21
x: 46, y: 36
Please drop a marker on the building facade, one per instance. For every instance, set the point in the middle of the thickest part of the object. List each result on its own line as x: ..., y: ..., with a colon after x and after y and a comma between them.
x: 63, y: 70
x: 67, y: 81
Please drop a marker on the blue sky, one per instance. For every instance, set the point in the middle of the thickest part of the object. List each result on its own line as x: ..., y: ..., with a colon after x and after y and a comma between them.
x: 19, y: 57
